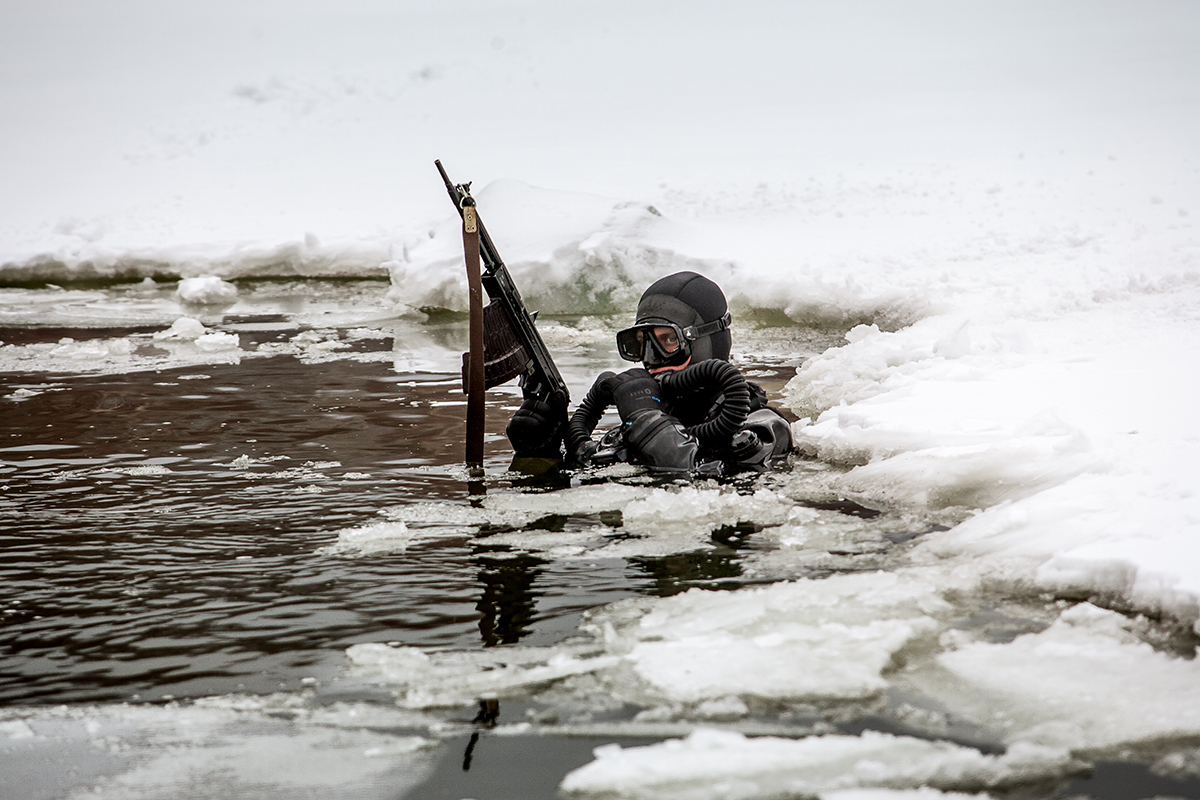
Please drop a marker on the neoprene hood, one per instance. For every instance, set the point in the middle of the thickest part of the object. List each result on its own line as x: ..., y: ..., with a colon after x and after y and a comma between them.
x: 688, y: 299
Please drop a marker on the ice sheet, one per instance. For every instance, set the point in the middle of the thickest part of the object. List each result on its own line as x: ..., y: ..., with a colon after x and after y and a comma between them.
x: 1071, y: 686
x: 265, y: 747
x: 711, y: 763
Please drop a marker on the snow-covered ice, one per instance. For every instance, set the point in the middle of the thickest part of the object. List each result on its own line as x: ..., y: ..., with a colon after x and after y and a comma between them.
x: 700, y: 767
x: 1070, y: 685
x: 206, y: 289
x: 225, y: 747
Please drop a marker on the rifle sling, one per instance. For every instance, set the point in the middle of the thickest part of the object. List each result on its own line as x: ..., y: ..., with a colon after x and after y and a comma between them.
x: 475, y: 382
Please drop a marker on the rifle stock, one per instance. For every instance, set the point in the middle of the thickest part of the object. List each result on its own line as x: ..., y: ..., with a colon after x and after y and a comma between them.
x: 512, y: 345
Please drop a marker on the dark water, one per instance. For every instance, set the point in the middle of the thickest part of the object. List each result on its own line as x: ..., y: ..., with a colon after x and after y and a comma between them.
x: 139, y: 558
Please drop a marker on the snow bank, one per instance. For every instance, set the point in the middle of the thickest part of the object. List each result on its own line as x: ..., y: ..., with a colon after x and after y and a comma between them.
x: 570, y: 251
x: 1071, y: 435
x: 1125, y: 538
x: 70, y: 257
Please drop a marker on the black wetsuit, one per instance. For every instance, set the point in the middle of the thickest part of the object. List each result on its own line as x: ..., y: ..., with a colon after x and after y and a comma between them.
x: 705, y: 427
x: 696, y: 412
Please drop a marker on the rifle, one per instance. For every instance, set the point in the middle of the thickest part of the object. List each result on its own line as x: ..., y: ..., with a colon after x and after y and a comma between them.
x: 512, y: 345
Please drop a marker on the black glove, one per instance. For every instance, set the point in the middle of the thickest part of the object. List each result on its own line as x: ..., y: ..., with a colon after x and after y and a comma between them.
x: 537, y: 428
x: 657, y: 440
x: 582, y: 454
x: 633, y: 391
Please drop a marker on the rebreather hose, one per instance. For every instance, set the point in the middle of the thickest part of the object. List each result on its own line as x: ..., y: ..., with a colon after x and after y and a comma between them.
x: 588, y: 414
x: 715, y: 433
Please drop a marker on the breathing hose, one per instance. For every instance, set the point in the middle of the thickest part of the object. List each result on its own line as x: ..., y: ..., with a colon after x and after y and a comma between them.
x: 588, y: 414
x: 715, y: 433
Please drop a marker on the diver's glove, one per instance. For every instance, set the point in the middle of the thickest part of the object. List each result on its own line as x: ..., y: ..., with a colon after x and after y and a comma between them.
x: 581, y: 454
x: 658, y: 440
x: 633, y: 392
x: 537, y: 427
x: 653, y: 437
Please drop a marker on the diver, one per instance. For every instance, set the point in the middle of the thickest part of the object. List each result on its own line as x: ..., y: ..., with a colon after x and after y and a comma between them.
x: 686, y: 409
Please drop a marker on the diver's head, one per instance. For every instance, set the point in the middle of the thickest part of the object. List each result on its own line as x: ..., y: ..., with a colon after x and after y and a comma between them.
x: 682, y: 319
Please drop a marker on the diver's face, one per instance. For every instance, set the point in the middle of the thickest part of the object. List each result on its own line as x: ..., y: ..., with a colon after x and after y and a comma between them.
x: 654, y: 346
x: 668, y: 341
x: 666, y: 337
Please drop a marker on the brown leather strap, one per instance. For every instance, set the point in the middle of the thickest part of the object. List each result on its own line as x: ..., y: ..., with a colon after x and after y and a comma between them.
x: 475, y: 360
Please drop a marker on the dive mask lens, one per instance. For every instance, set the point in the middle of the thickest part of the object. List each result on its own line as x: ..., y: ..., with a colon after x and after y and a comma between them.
x: 629, y: 343
x: 654, y: 344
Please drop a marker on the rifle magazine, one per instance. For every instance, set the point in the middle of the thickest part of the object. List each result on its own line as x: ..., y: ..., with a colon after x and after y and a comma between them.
x: 504, y: 358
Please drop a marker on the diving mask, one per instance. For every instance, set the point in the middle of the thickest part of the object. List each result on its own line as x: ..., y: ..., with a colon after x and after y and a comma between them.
x: 659, y: 343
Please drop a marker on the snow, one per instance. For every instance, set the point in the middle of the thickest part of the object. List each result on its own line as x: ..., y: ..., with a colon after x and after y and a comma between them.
x: 998, y: 202
x: 382, y: 537
x: 184, y: 328
x: 451, y: 680
x: 206, y: 289
x: 803, y: 640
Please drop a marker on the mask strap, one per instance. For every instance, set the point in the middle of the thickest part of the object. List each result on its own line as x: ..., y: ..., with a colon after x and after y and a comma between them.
x: 696, y: 331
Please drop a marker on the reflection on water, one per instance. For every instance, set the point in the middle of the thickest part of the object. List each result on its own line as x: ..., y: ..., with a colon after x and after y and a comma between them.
x: 508, y: 605
x: 714, y: 569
